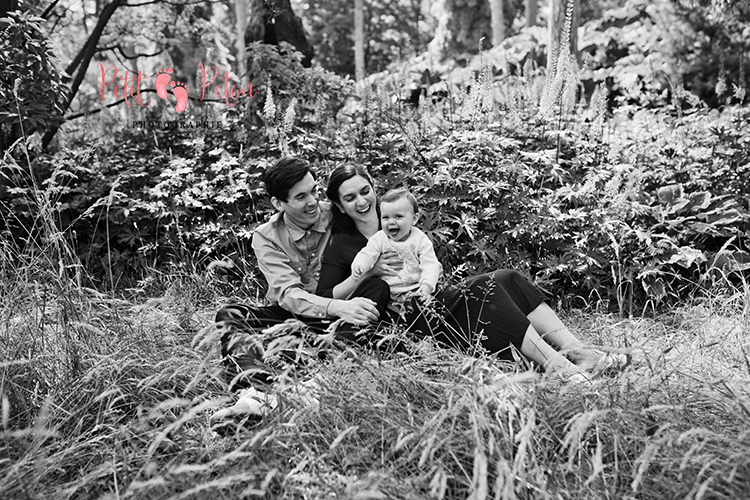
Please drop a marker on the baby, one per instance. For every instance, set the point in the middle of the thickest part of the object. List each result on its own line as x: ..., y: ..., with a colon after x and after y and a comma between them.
x: 399, y: 211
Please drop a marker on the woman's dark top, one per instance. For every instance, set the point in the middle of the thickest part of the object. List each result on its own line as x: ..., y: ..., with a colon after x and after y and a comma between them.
x: 488, y: 311
x: 337, y: 260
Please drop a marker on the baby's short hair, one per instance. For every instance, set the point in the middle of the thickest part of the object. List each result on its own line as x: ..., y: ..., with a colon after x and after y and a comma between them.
x: 397, y: 194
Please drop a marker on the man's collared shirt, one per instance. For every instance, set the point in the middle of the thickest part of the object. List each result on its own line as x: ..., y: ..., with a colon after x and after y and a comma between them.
x: 290, y: 259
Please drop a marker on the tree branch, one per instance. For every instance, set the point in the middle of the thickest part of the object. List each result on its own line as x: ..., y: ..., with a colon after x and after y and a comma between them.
x: 82, y: 60
x: 90, y: 46
x: 124, y: 55
x: 48, y: 10
x: 137, y: 55
x: 117, y: 103
x: 168, y: 3
x: 93, y: 112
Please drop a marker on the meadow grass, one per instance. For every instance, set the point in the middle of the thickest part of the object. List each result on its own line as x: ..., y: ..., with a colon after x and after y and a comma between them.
x: 111, y: 398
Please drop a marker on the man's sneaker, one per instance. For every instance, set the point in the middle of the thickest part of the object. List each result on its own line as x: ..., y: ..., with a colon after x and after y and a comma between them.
x: 251, y: 406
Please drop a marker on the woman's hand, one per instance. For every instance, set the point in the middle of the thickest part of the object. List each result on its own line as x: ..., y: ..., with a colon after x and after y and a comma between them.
x: 358, y: 310
x: 389, y: 263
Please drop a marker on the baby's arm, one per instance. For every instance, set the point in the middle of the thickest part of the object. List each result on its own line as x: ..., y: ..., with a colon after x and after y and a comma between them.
x: 368, y: 256
x: 429, y: 264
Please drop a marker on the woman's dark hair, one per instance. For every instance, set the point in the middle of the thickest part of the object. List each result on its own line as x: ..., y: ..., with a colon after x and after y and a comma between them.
x: 340, y: 222
x: 284, y: 174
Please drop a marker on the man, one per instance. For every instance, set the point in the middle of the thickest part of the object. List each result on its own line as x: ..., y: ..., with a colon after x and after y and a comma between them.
x: 289, y: 248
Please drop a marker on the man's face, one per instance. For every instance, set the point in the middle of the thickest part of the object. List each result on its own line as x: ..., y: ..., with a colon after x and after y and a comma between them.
x: 397, y: 218
x: 301, y: 206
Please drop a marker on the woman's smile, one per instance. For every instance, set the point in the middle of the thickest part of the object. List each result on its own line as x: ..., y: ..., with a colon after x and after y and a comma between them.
x: 357, y: 199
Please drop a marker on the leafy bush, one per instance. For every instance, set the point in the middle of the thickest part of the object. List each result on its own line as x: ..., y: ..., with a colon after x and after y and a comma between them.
x: 31, y: 85
x: 647, y: 209
x: 631, y: 221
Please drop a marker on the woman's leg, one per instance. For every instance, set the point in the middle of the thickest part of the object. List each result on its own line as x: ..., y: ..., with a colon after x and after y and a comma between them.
x: 535, y: 348
x: 552, y: 329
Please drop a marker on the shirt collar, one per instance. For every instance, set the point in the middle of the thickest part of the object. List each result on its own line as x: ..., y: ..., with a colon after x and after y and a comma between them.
x: 297, y: 232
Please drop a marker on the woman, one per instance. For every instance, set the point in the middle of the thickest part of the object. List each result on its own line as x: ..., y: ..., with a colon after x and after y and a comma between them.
x: 496, y: 310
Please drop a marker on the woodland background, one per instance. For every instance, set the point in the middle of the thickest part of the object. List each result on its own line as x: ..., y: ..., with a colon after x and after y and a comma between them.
x: 611, y: 167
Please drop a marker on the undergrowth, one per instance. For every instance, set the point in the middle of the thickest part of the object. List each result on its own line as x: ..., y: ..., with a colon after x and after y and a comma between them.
x: 119, y: 408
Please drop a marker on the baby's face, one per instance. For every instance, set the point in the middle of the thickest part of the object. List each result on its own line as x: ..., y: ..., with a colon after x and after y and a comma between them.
x: 397, y: 218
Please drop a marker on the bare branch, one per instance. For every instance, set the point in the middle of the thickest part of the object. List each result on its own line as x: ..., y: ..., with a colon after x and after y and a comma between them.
x: 169, y: 3
x: 82, y: 60
x: 119, y: 49
x: 48, y: 10
x: 117, y: 103
x: 137, y: 55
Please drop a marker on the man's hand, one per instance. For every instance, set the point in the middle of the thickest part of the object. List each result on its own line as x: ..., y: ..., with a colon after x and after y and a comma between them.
x: 425, y: 290
x: 389, y: 263
x: 358, y: 310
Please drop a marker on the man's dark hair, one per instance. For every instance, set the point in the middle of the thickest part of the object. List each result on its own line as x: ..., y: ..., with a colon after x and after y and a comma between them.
x: 284, y: 174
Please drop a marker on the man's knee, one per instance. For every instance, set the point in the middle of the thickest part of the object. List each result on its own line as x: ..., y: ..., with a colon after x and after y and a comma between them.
x: 379, y: 290
x: 376, y: 290
x: 231, y: 313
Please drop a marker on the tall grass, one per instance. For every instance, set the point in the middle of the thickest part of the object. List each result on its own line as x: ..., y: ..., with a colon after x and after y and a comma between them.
x: 132, y: 420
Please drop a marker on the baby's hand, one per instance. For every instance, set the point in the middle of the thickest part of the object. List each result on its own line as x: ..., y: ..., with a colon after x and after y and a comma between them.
x: 423, y: 294
x: 357, y: 272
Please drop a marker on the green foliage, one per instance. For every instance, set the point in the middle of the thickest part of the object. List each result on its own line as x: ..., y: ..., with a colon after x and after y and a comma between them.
x: 670, y: 51
x: 117, y: 403
x: 586, y: 218
x: 511, y: 173
x: 318, y: 92
x: 717, y: 50
x: 31, y: 84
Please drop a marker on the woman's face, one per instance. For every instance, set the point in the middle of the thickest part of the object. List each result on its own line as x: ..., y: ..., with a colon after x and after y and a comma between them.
x: 357, y: 200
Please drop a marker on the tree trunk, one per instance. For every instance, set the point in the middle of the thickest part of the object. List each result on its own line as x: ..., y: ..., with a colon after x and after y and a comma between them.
x: 359, y: 40
x: 498, y: 22
x: 240, y: 9
x: 274, y: 21
x: 556, y: 26
x: 532, y: 8
x: 81, y: 63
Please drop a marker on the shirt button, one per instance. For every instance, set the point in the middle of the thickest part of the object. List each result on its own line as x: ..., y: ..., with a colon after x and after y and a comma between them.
x: 299, y: 269
x: 312, y: 254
